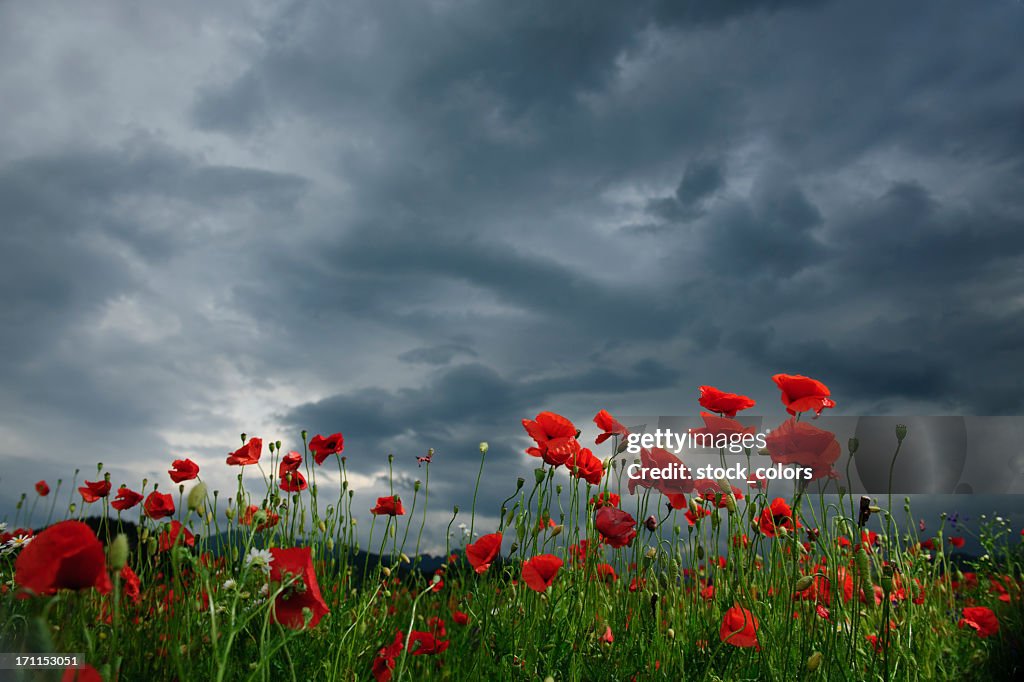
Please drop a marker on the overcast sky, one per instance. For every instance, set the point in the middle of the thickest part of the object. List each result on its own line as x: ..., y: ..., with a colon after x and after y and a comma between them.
x: 419, y: 222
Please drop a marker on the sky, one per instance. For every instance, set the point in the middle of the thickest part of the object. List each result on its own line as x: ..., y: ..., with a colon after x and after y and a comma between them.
x: 418, y: 223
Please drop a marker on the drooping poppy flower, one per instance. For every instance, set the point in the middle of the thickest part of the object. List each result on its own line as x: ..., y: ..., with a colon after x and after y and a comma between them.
x: 609, y: 427
x: 586, y: 466
x: 726, y: 404
x: 384, y: 662
x: 247, y: 454
x: 800, y: 393
x: 176, y: 534
x: 83, y: 673
x: 131, y: 586
x: 289, y: 462
x: 294, y: 482
x: 617, y: 528
x: 695, y: 513
x: 42, y: 489
x: 981, y: 619
x: 540, y: 571
x: 739, y: 628
x: 805, y: 445
x: 94, y: 490
x: 389, y: 506
x: 183, y: 470
x: 775, y: 516
x: 460, y: 617
x: 125, y: 499
x: 676, y: 501
x: 322, y: 448
x: 605, y: 499
x: 956, y: 541
x: 555, y: 437
x: 159, y: 505
x: 482, y: 552
x: 304, y: 593
x: 67, y: 555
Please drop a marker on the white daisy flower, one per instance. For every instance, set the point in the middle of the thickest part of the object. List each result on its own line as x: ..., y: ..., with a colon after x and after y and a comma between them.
x: 259, y: 558
x: 17, y: 542
x: 229, y: 584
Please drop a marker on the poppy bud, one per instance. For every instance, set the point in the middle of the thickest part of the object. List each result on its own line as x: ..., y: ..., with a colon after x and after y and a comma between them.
x: 513, y: 548
x: 814, y: 661
x: 71, y: 508
x: 455, y: 510
x: 117, y: 552
x: 651, y: 523
x: 651, y: 553
x: 671, y: 633
x: 886, y: 579
x: 874, y: 509
x: 243, y: 439
x: 260, y: 517
x: 804, y: 582
x: 700, y: 552
x: 853, y: 444
x: 416, y: 486
x: 197, y: 496
x: 901, y: 432
x: 386, y: 571
x: 391, y: 530
x: 391, y: 458
x: 510, y: 518
x: 230, y: 513
x: 557, y: 530
x: 484, y: 447
x: 322, y: 526
x: 405, y: 560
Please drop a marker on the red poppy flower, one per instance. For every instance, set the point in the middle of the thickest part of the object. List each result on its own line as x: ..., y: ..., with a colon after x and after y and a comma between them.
x: 183, y: 470
x: 803, y: 444
x: 605, y: 499
x: 294, y: 482
x: 131, y: 586
x: 322, y: 447
x: 289, y: 462
x: 956, y: 541
x: 800, y: 393
x: 248, y: 453
x: 304, y: 593
x: 176, y: 534
x: 695, y: 514
x: 739, y: 628
x: 460, y: 617
x: 540, y: 571
x: 608, y: 637
x: 67, y: 555
x: 726, y: 404
x: 585, y: 465
x: 247, y: 517
x: 981, y: 619
x: 391, y: 506
x: 605, y: 573
x: 384, y: 662
x: 609, y: 426
x: 125, y: 499
x: 482, y: 552
x: 777, y: 515
x: 42, y: 489
x: 617, y: 528
x: 555, y: 437
x: 94, y: 490
x: 159, y: 505
x: 84, y: 673
x: 421, y: 643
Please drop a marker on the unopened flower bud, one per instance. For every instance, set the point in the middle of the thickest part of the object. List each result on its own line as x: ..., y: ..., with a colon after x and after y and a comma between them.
x: 386, y: 571
x: 197, y: 496
x: 417, y: 485
x: 651, y: 523
x: 814, y: 661
x: 853, y: 444
x: 117, y: 552
x: 484, y: 447
x: 804, y: 582
x: 557, y: 530
x: 651, y: 553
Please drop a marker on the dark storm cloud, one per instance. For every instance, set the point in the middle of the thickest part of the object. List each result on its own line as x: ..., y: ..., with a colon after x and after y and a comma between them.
x: 420, y: 223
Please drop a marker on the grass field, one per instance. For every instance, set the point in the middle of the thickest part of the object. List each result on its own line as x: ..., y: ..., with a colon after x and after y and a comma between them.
x: 579, y: 581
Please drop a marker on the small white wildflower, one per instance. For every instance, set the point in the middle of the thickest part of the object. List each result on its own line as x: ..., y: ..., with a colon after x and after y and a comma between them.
x: 259, y: 558
x: 17, y: 542
x: 265, y: 590
x: 3, y: 526
x: 229, y: 584
x: 462, y: 526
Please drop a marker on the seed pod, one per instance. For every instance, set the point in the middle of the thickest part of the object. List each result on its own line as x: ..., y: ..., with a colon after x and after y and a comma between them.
x: 804, y: 582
